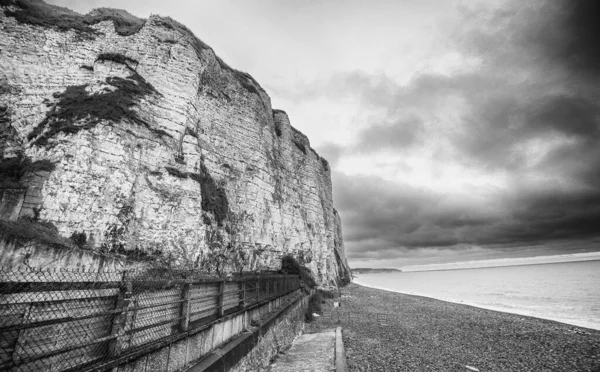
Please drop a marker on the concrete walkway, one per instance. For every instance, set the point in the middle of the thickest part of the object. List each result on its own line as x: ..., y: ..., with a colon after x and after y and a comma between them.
x: 313, y: 352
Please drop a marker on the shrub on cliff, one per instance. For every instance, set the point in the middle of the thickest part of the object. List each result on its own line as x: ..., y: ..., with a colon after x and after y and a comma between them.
x: 290, y: 266
x: 314, y: 306
x: 328, y: 294
x: 79, y: 239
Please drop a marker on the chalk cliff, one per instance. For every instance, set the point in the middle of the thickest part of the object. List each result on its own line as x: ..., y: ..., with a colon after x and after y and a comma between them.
x: 132, y: 135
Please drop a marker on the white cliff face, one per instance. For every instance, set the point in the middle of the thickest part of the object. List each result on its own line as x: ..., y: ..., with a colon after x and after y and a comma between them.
x: 149, y: 144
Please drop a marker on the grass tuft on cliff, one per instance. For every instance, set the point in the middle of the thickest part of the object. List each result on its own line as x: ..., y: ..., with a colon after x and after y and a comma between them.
x: 28, y: 230
x: 116, y: 57
x: 13, y: 169
x: 38, y: 13
x: 76, y: 104
x: 214, y: 197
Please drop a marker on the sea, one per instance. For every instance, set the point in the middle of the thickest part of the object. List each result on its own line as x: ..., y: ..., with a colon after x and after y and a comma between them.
x: 567, y: 292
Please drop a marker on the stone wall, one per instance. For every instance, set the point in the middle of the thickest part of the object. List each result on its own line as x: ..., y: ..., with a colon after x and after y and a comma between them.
x: 147, y: 142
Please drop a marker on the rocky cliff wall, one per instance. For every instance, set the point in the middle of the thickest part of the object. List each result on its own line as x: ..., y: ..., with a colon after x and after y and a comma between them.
x: 134, y: 136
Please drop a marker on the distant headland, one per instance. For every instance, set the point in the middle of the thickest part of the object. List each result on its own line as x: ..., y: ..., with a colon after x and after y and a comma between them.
x: 365, y: 270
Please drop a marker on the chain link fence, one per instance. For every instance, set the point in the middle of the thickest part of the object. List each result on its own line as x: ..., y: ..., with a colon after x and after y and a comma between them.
x: 61, y: 320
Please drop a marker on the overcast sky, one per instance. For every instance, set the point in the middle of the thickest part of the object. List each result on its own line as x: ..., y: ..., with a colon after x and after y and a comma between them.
x: 456, y: 130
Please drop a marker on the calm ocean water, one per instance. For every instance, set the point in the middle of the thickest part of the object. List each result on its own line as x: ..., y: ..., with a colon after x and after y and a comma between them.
x: 565, y: 292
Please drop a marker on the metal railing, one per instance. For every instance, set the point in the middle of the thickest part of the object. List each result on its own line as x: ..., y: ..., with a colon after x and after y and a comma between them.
x: 68, y: 320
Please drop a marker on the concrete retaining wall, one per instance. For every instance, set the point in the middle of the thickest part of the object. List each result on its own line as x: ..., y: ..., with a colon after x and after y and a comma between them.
x: 277, y: 338
x: 18, y: 253
x: 244, y: 342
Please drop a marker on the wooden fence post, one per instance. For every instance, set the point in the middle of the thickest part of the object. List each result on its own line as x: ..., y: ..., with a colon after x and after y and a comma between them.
x: 184, y: 321
x: 257, y: 290
x: 258, y: 283
x: 221, y: 297
x: 119, y: 320
x: 243, y: 294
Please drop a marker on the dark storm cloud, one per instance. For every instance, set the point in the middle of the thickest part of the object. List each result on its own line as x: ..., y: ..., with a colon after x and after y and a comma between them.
x: 556, y: 215
x: 399, y: 215
x: 383, y: 217
x: 571, y: 115
x: 557, y: 97
x: 575, y: 42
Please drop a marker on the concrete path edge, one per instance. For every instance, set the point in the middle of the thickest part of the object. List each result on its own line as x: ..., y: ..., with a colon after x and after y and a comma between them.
x: 340, y: 353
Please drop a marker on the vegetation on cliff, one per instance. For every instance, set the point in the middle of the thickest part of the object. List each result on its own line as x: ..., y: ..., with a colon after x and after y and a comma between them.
x: 38, y: 13
x: 77, y: 103
x: 214, y: 197
x: 30, y: 230
x: 13, y: 169
x: 289, y: 265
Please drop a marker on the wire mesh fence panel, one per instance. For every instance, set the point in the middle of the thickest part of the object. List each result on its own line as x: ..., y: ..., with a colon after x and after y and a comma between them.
x: 67, y: 320
x: 152, y: 316
x: 204, y: 300
x: 41, y: 340
x: 251, y: 292
x: 231, y: 296
x: 44, y: 325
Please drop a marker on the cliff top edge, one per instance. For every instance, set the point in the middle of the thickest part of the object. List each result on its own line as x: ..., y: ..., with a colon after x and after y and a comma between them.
x: 41, y: 14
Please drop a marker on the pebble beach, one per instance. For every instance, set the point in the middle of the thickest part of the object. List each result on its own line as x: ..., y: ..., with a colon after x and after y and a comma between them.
x: 413, y: 333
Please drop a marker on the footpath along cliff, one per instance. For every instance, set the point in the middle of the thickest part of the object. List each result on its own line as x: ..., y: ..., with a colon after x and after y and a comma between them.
x: 131, y: 136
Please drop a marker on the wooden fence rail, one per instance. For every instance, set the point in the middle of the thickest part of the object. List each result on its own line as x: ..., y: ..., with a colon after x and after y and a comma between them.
x: 49, y: 323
